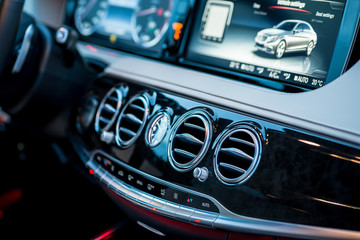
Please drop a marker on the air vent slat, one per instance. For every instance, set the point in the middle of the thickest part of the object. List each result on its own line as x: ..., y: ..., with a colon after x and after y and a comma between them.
x: 114, y: 99
x: 128, y: 132
x: 133, y: 118
x: 137, y: 107
x: 232, y: 168
x: 184, y: 153
x: 109, y: 108
x: 239, y: 140
x: 190, y: 125
x: 104, y: 120
x: 189, y: 138
x: 237, y: 152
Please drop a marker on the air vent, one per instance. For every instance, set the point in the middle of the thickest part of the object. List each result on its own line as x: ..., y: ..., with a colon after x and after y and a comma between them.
x: 189, y: 140
x: 108, y: 109
x: 237, y: 155
x: 131, y: 120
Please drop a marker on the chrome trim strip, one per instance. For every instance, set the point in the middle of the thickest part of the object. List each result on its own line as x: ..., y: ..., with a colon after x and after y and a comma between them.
x: 24, y: 49
x: 225, y: 220
x: 151, y: 229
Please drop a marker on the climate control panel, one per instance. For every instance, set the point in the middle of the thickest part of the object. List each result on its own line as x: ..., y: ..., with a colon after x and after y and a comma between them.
x: 211, y: 166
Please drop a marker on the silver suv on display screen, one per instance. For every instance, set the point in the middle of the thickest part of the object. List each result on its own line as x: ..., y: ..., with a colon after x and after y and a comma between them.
x: 287, y: 36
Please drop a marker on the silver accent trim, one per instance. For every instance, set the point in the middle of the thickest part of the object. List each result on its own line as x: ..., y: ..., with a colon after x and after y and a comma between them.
x: 226, y: 220
x: 133, y: 135
x: 24, y: 49
x: 151, y: 229
x: 195, y: 158
x: 226, y: 135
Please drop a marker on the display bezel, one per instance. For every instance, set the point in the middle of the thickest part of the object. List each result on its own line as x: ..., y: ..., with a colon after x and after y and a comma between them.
x: 338, y: 63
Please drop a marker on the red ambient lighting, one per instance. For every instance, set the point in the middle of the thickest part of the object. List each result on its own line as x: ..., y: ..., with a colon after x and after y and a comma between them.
x: 105, y: 235
x: 92, y: 48
x: 197, y: 220
x: 289, y: 8
x: 91, y: 171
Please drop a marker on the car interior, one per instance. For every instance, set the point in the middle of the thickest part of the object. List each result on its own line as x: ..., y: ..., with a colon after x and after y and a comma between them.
x: 179, y: 119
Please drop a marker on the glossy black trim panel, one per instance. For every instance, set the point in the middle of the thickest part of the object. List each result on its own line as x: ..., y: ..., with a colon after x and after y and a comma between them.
x: 302, y: 178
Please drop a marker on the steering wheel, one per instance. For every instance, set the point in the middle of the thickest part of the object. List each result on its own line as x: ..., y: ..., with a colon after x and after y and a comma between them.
x: 10, y: 14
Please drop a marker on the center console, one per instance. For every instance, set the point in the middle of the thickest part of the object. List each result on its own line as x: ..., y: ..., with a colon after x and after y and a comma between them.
x: 215, y: 167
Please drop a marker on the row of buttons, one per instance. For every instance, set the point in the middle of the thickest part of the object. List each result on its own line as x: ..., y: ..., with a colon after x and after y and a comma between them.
x: 153, y: 188
x: 173, y: 203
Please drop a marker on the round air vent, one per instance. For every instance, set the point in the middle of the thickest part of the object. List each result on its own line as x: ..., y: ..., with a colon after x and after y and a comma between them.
x: 132, y: 120
x: 108, y: 109
x: 237, y: 154
x: 189, y: 140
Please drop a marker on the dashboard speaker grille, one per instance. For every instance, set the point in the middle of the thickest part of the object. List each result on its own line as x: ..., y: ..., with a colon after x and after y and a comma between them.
x: 189, y: 140
x: 237, y: 155
x: 132, y: 120
x: 108, y: 109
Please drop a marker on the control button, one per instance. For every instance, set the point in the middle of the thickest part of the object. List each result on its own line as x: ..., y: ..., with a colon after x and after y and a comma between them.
x: 203, y: 218
x: 108, y: 165
x: 152, y: 188
x: 99, y: 173
x: 98, y: 158
x: 157, y: 203
x: 107, y: 137
x: 145, y: 198
x: 170, y: 208
x: 106, y: 178
x: 201, y: 173
x: 200, y: 203
x: 132, y: 193
x: 174, y: 195
x: 120, y: 173
x: 184, y: 213
x: 92, y: 165
x: 119, y: 187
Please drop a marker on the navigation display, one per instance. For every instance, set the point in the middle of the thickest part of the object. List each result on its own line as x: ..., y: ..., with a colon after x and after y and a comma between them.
x: 285, y: 40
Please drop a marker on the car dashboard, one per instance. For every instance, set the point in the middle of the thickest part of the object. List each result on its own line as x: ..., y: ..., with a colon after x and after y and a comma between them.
x: 222, y: 119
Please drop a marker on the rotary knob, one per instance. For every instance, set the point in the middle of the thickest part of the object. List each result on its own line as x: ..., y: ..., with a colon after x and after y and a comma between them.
x: 201, y: 173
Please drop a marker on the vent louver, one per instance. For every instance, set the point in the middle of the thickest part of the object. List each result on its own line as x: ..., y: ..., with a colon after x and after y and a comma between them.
x: 132, y: 120
x: 189, y: 140
x: 108, y: 109
x: 237, y: 155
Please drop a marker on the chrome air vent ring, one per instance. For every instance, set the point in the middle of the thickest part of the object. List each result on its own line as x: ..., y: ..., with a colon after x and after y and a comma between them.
x: 132, y: 120
x: 190, y: 139
x: 237, y: 154
x: 108, y: 109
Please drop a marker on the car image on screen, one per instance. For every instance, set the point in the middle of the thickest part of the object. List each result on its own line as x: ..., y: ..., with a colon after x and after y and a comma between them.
x: 287, y: 36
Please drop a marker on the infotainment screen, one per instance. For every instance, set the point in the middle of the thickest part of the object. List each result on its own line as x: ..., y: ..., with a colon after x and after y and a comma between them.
x: 285, y: 40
